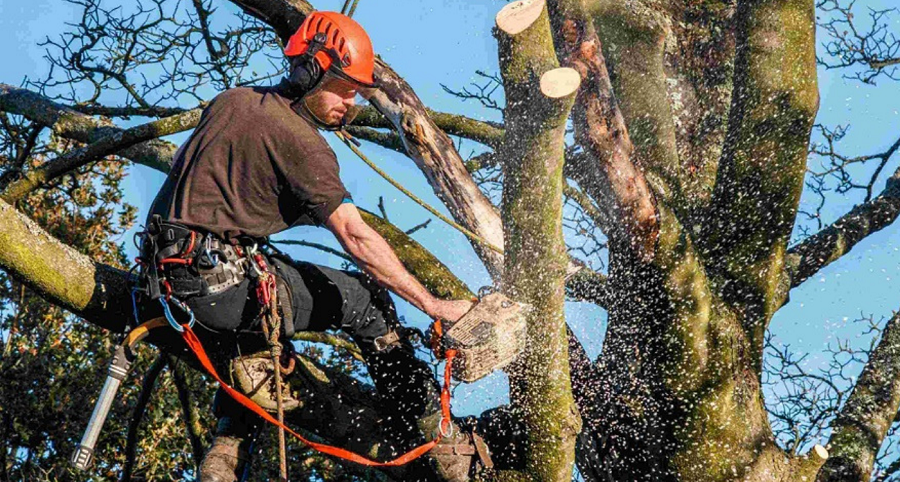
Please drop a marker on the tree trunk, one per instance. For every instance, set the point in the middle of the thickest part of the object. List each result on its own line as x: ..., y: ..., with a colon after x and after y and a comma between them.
x: 535, y: 264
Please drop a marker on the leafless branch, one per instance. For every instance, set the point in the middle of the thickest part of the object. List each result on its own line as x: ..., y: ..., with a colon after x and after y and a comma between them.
x: 483, y: 91
x: 869, y: 46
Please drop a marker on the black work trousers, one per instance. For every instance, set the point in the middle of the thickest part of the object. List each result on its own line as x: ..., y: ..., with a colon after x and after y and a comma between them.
x: 326, y: 299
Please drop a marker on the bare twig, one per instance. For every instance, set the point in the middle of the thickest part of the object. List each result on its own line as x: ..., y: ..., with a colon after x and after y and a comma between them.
x: 869, y: 45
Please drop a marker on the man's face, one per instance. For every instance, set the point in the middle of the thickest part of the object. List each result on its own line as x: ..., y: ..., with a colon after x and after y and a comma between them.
x: 331, y: 101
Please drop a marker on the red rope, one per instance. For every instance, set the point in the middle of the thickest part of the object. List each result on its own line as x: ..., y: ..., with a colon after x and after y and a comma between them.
x: 194, y: 344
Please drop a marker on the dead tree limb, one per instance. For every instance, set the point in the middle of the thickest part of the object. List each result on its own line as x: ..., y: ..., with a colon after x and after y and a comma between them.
x: 611, y: 176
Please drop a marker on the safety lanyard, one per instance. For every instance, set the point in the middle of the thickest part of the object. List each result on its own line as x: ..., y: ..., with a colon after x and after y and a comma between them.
x: 190, y: 338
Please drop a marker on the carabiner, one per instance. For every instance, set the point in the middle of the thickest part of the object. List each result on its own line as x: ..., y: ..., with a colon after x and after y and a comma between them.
x: 171, y: 319
x: 213, y: 258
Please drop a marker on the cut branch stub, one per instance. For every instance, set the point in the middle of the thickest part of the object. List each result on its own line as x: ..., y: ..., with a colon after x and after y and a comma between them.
x: 518, y: 16
x: 539, y: 99
x: 560, y: 82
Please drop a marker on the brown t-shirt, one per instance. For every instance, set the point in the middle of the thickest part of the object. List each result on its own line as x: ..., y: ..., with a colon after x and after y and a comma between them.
x: 252, y: 167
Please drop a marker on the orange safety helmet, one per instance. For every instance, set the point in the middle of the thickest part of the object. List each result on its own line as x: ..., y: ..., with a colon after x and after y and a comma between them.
x: 347, y: 49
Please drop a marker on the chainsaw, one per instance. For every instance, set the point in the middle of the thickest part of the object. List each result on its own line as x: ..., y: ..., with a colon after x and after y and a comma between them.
x: 488, y: 337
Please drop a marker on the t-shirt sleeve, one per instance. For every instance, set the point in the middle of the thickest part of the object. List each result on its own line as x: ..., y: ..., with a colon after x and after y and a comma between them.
x: 312, y: 173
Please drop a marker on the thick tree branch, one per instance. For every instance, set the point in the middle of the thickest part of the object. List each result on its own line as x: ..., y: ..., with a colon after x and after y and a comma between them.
x: 128, y: 112
x: 761, y: 171
x: 589, y: 285
x: 103, y: 147
x: 833, y: 242
x: 539, y: 98
x: 434, y: 154
x: 71, y: 124
x: 860, y: 428
x: 611, y: 174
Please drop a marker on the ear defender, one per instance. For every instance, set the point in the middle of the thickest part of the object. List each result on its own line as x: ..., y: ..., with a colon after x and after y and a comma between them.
x: 305, y: 75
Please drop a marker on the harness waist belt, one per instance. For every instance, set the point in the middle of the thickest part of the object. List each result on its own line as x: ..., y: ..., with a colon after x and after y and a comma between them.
x: 192, y: 262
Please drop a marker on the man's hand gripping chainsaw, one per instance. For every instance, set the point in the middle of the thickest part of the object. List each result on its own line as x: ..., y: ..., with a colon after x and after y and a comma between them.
x: 487, y: 338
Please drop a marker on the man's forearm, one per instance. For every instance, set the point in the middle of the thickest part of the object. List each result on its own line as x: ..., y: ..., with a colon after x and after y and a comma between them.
x: 374, y: 256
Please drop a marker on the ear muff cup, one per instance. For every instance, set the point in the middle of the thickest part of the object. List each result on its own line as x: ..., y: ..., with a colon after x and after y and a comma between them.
x: 305, y: 76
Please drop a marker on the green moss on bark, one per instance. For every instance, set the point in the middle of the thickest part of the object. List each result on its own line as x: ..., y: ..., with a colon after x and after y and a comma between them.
x: 536, y: 259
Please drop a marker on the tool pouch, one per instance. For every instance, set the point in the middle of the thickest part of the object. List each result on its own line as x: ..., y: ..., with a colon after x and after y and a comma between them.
x: 489, y: 337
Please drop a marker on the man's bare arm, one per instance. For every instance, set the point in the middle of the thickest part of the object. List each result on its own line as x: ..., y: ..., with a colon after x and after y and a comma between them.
x: 374, y: 256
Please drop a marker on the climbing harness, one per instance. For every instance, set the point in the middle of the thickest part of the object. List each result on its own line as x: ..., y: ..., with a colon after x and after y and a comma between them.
x: 155, y: 258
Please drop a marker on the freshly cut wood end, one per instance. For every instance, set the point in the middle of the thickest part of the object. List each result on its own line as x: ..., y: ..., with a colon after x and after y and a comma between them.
x: 519, y: 15
x: 820, y: 451
x: 560, y: 82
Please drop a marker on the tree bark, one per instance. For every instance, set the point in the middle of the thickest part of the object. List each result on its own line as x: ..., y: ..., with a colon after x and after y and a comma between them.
x: 536, y: 259
x: 869, y: 412
x: 761, y: 172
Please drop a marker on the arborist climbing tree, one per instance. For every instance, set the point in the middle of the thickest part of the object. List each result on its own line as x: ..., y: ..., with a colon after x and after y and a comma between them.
x: 256, y: 165
x: 676, y: 133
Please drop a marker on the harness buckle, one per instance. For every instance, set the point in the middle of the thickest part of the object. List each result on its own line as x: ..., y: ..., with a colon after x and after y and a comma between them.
x: 387, y: 340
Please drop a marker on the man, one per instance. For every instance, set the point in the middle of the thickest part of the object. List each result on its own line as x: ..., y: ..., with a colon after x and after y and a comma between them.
x: 257, y: 165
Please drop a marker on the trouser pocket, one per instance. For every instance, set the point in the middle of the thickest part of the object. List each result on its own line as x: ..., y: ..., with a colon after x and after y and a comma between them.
x: 233, y: 309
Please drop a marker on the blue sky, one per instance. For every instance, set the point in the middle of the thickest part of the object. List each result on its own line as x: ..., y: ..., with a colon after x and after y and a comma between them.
x: 430, y: 43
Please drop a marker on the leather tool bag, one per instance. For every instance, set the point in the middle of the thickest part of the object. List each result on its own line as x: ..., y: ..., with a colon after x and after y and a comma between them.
x: 489, y: 337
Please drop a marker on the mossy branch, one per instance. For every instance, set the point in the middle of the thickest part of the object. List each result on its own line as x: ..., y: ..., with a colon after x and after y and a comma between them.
x: 105, y: 146
x: 870, y: 410
x: 539, y: 99
x: 68, y: 123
